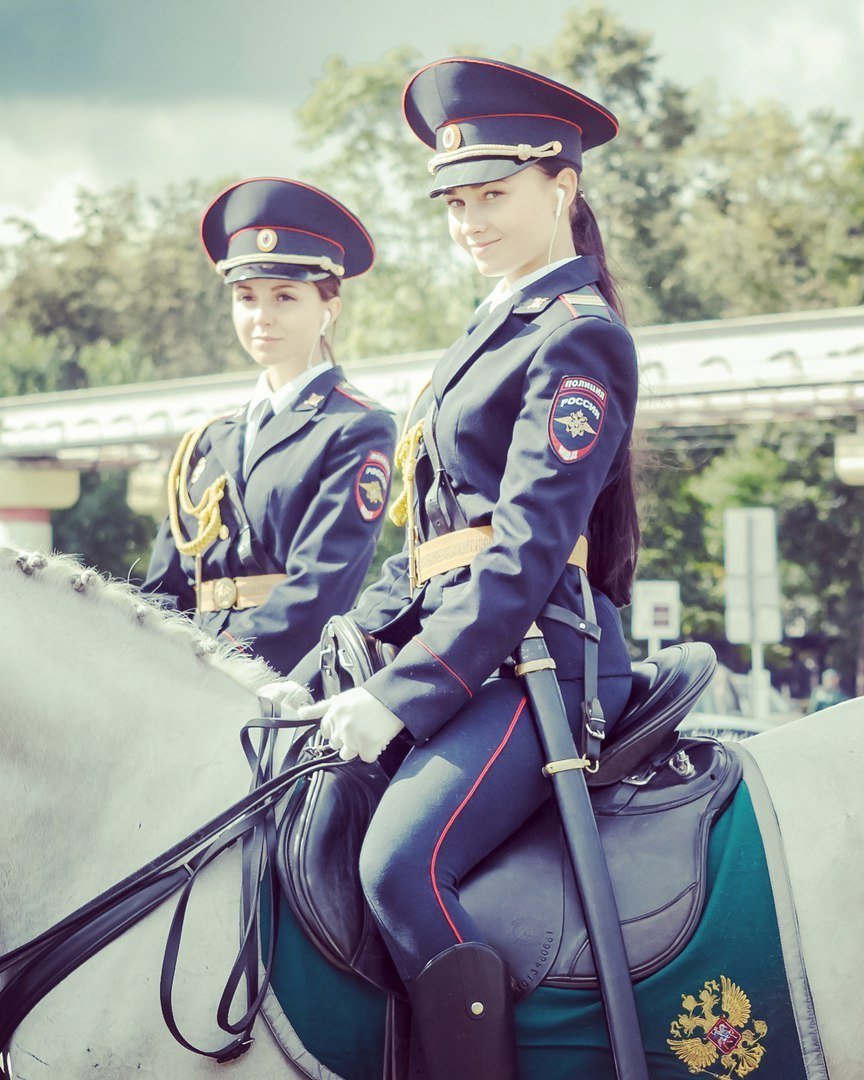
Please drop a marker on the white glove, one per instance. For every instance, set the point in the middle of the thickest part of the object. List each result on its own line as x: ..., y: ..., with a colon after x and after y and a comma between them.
x: 288, y: 695
x: 354, y: 723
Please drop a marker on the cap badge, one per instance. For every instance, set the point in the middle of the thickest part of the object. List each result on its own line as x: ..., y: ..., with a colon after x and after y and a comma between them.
x: 266, y: 240
x: 451, y: 137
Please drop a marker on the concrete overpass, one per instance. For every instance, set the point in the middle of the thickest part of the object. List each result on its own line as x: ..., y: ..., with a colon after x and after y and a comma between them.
x: 694, y: 376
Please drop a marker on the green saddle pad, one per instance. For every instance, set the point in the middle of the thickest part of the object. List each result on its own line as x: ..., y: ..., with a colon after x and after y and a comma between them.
x: 721, y: 1008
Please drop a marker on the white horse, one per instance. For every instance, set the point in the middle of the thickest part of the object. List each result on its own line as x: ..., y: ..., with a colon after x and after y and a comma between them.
x: 119, y: 735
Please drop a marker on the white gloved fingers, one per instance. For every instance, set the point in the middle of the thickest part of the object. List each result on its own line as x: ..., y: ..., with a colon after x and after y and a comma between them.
x: 347, y: 753
x: 314, y: 711
x: 371, y: 753
x: 287, y: 694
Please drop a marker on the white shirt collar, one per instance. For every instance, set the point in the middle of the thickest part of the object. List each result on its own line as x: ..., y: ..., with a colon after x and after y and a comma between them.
x: 503, y: 291
x: 280, y: 399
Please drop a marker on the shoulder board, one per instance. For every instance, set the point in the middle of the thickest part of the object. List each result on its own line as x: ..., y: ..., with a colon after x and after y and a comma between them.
x: 351, y: 392
x: 586, y: 302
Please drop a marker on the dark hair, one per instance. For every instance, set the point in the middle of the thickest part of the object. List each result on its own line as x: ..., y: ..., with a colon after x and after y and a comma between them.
x: 613, y: 525
x: 328, y: 287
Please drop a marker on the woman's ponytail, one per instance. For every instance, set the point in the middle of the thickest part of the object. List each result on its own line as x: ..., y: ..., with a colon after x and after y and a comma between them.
x: 613, y: 525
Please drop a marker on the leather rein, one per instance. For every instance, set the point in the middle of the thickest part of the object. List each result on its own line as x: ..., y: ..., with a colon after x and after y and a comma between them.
x: 36, y: 967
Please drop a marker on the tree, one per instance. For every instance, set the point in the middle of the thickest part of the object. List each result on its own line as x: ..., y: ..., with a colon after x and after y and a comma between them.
x: 101, y: 527
x: 789, y: 467
x: 419, y: 295
x: 771, y: 215
x: 633, y: 182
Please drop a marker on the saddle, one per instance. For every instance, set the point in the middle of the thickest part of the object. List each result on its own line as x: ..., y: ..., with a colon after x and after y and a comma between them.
x: 655, y: 797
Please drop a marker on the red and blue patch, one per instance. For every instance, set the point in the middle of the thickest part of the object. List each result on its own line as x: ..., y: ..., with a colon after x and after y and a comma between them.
x: 576, y: 417
x: 372, y: 485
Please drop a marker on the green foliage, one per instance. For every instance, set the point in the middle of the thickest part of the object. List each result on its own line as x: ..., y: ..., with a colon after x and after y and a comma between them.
x: 820, y: 534
x: 419, y: 294
x: 101, y: 527
x: 29, y: 362
x: 129, y: 297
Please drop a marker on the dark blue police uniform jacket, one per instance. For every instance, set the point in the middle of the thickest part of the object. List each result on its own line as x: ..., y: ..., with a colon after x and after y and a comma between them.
x: 314, y: 496
x: 535, y: 414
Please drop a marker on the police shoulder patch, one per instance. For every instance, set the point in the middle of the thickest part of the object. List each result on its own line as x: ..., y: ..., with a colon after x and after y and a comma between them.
x: 576, y: 417
x: 372, y: 485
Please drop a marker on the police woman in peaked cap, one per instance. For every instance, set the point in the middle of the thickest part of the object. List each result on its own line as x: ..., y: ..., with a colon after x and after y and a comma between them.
x: 276, y: 509
x: 520, y: 453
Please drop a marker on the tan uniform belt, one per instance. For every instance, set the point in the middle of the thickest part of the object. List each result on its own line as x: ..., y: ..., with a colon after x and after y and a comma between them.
x: 459, y: 548
x: 237, y: 592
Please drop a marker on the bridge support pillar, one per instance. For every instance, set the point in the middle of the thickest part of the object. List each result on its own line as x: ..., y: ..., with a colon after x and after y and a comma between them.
x: 28, y: 494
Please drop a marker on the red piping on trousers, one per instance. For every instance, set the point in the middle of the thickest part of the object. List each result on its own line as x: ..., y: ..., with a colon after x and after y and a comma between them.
x: 459, y: 810
x: 444, y: 665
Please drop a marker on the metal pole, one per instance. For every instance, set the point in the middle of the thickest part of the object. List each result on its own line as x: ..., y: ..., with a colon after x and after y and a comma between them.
x: 565, y: 767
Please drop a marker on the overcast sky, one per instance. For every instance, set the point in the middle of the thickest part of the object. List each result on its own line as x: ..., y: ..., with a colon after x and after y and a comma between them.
x: 101, y: 92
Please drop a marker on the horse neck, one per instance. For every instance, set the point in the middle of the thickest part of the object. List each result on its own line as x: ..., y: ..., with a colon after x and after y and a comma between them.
x: 115, y: 742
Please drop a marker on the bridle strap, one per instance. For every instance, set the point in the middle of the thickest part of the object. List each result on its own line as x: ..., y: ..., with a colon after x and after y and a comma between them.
x: 47, y: 959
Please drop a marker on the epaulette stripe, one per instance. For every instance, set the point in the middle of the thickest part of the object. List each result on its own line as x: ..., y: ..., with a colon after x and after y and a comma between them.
x: 601, y: 298
x: 569, y: 306
x: 587, y: 296
x: 351, y: 397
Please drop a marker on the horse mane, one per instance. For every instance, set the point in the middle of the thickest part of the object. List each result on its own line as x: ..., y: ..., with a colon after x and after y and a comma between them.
x: 67, y: 571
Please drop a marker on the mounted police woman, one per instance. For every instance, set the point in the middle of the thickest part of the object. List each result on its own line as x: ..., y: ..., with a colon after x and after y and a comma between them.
x: 275, y: 510
x: 516, y: 460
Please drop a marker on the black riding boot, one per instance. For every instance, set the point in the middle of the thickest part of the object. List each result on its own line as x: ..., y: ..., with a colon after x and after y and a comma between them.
x: 462, y: 1009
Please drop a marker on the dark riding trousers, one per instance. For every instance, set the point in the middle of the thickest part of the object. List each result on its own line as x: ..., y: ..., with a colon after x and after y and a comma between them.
x: 453, y: 801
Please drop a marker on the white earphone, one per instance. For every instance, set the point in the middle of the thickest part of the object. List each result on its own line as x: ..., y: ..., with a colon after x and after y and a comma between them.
x: 325, y: 322
x: 559, y: 201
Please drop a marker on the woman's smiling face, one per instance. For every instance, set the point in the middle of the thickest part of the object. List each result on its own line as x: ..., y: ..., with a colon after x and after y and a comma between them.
x: 508, y: 225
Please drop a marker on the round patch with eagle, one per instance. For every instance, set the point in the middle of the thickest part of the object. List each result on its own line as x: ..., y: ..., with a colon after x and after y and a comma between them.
x: 576, y: 417
x: 372, y: 485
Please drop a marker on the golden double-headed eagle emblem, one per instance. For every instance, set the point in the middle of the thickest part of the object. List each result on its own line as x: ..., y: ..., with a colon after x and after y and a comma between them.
x: 374, y: 491
x: 576, y: 424
x: 714, y: 1027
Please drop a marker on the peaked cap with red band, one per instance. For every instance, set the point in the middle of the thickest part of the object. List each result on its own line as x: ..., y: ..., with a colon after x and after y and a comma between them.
x: 276, y: 228
x: 487, y: 120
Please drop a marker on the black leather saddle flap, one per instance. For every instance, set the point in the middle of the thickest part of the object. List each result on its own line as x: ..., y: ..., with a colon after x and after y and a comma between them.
x: 317, y: 861
x: 655, y: 838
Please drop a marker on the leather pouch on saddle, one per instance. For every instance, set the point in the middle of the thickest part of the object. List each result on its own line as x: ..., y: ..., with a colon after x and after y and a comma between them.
x: 654, y: 798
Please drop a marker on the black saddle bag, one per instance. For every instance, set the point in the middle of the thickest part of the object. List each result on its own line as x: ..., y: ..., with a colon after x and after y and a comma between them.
x: 326, y: 819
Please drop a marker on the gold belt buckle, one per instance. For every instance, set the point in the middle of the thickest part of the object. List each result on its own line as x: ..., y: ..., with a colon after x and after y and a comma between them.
x: 224, y: 592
